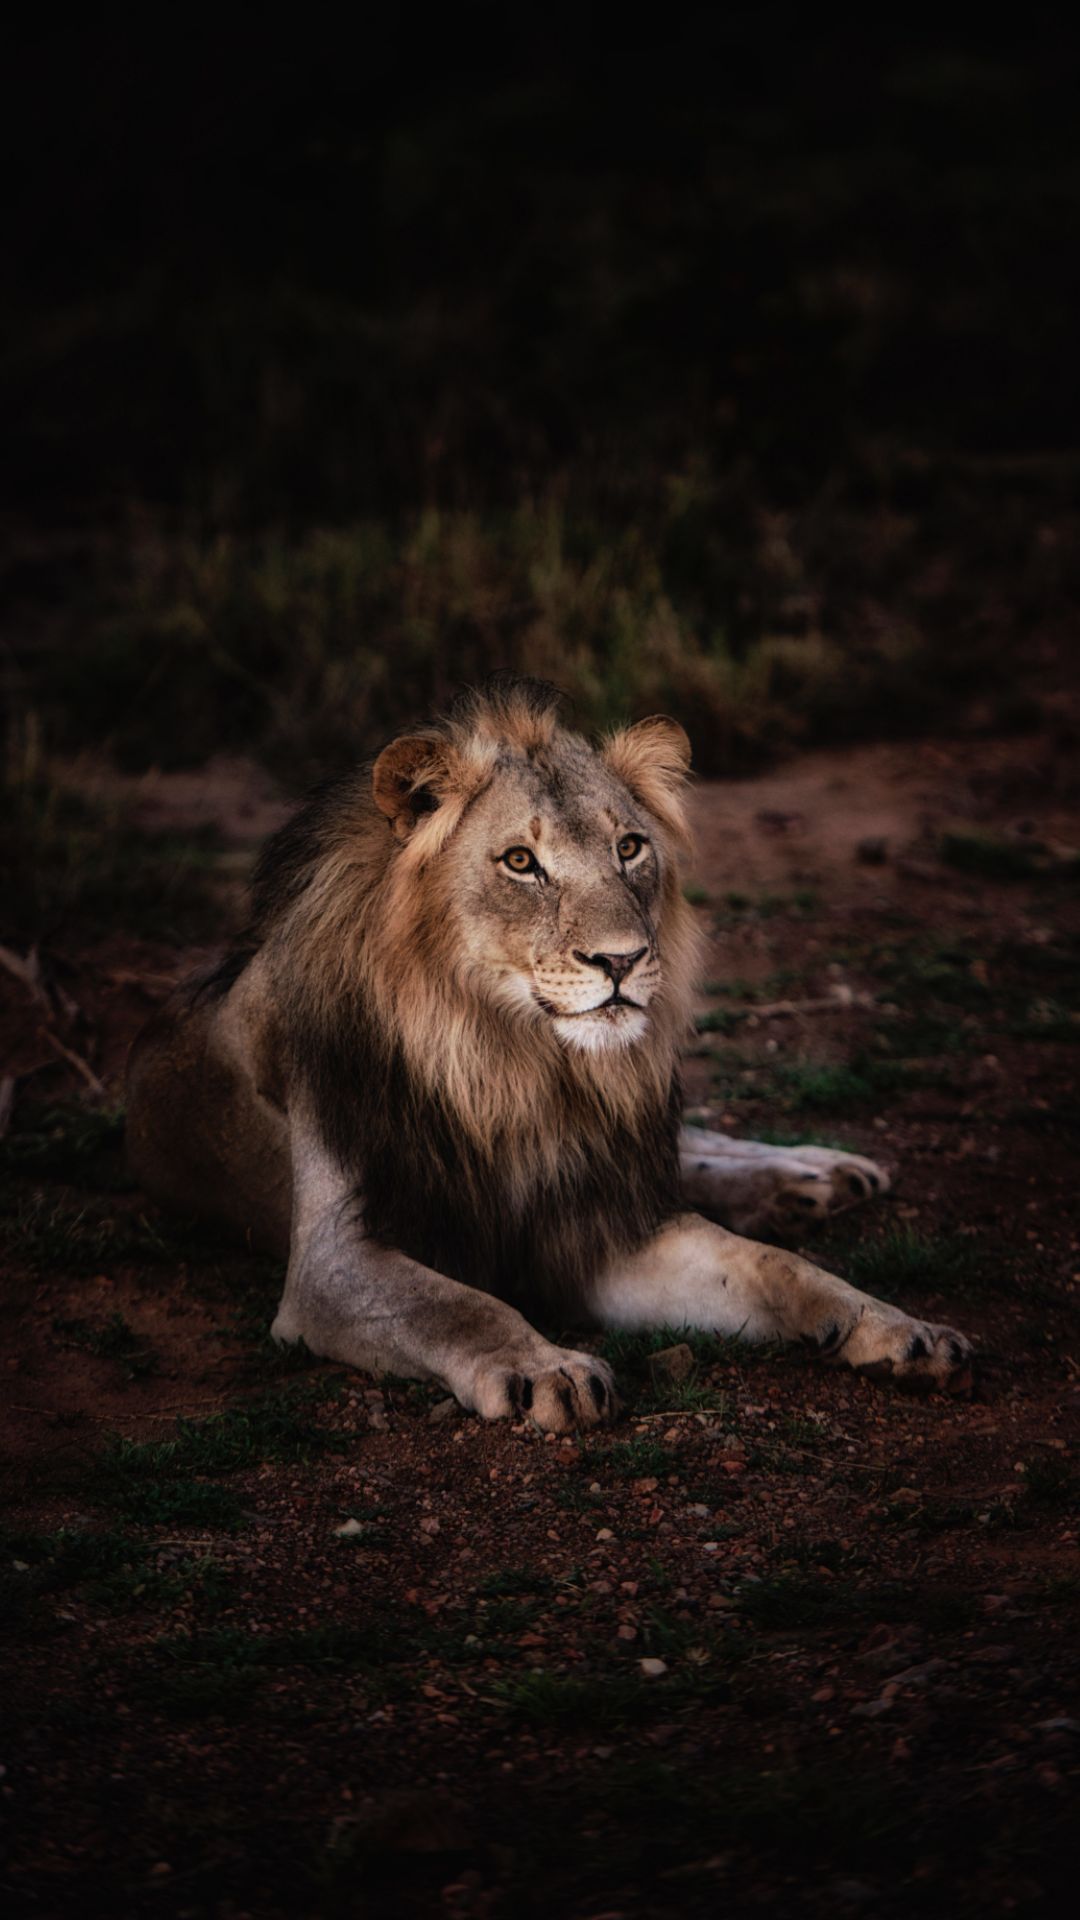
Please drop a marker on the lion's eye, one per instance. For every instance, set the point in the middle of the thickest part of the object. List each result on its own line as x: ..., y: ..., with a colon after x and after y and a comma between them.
x: 629, y: 846
x: 520, y: 860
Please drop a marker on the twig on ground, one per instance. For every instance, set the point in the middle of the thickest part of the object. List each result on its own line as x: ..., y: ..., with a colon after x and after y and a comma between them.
x: 839, y: 1002
x: 73, y: 1059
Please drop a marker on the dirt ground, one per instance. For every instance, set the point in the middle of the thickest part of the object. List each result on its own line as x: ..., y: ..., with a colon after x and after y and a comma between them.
x: 284, y: 1641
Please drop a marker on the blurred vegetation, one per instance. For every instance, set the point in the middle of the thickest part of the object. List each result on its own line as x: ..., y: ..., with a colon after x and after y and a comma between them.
x: 68, y: 855
x: 730, y: 375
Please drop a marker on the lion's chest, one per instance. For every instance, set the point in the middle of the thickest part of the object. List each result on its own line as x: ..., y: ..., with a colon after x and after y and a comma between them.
x: 527, y: 1232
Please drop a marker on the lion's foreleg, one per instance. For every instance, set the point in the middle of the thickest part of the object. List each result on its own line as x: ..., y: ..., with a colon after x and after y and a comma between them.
x: 697, y: 1275
x: 351, y: 1300
x: 753, y: 1187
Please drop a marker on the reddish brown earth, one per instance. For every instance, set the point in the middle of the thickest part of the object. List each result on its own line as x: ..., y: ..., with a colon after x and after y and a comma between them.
x: 865, y: 1605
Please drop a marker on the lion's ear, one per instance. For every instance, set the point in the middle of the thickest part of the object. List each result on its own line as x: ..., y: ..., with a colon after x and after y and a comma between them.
x: 404, y: 780
x: 652, y: 758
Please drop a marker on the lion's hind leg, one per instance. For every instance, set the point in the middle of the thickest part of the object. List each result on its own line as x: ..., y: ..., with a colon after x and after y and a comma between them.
x: 202, y: 1138
x: 753, y: 1187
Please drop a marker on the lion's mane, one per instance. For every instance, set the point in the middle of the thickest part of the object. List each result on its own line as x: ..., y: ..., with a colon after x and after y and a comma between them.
x: 480, y: 1145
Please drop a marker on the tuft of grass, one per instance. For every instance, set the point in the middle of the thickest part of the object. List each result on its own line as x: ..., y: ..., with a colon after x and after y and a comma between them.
x: 989, y: 858
x: 791, y: 1602
x: 46, y: 1232
x: 629, y: 1353
x: 917, y: 974
x: 814, y: 1087
x: 902, y: 1260
x: 220, y: 1672
x: 606, y: 1701
x: 110, y: 1571
x: 1050, y: 1481
x: 275, y: 1427
x: 572, y: 1700
x: 508, y: 1616
x: 68, y: 860
x: 803, y: 1137
x: 202, y: 1504
x: 1047, y: 1020
x: 800, y: 905
x: 514, y: 1581
x: 720, y: 1020
x: 114, y: 1339
x: 79, y: 1145
x: 632, y: 1459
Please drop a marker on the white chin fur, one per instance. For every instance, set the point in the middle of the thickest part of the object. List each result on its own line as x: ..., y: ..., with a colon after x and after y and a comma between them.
x: 601, y: 1032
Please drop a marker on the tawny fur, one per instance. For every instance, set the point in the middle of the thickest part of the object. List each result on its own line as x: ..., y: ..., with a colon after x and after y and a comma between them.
x: 420, y: 1070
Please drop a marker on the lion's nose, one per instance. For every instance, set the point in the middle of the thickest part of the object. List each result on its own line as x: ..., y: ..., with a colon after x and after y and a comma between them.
x: 615, y: 965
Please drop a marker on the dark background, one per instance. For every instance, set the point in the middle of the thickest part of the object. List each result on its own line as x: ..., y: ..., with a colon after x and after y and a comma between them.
x: 723, y: 364
x: 726, y: 366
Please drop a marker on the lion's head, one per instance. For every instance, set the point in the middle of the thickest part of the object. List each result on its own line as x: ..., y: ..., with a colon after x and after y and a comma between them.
x: 540, y: 871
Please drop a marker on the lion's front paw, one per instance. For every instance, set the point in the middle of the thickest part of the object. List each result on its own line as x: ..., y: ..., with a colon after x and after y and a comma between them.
x: 559, y: 1390
x: 919, y: 1356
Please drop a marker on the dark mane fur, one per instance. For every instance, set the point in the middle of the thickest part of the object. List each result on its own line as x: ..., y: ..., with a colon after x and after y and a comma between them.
x: 575, y: 1165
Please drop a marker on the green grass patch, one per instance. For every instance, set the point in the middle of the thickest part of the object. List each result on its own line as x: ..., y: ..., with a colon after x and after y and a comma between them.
x: 48, y: 1234
x: 1047, y: 1020
x: 989, y: 858
x: 807, y: 1136
x: 109, y: 1570
x: 515, y: 1581
x: 220, y: 1672
x: 507, y: 1616
x: 607, y: 1701
x: 919, y: 973
x: 634, y: 1459
x: 720, y: 1020
x: 803, y: 904
x: 79, y: 1145
x: 66, y: 860
x: 824, y: 1087
x: 275, y: 1427
x: 201, y: 1504
x: 1051, y: 1482
x: 628, y: 1354
x: 902, y: 1260
x: 791, y: 1602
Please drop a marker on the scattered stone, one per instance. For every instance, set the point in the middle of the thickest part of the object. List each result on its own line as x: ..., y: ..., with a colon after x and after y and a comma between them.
x: 917, y: 1676
x: 351, y: 1530
x: 442, y: 1410
x: 653, y: 1669
x: 672, y: 1365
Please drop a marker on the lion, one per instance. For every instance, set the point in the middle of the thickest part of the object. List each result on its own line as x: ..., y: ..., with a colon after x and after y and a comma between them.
x: 440, y: 1072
